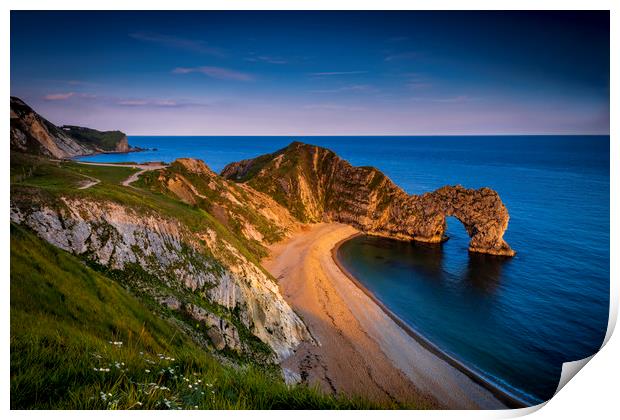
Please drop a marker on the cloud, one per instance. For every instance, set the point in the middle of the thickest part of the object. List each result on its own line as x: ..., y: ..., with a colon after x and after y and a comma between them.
x: 58, y: 96
x: 351, y: 88
x: 158, y: 103
x: 419, y: 85
x: 453, y: 99
x: 338, y: 73
x: 267, y: 59
x: 408, y: 55
x: 132, y: 102
x: 170, y: 41
x: 334, y: 107
x: 215, y: 72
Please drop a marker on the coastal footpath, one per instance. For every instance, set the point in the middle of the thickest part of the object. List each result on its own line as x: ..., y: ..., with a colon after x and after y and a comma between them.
x: 241, y: 263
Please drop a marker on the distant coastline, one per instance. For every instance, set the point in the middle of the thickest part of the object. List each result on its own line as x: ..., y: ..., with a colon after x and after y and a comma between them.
x: 504, y: 396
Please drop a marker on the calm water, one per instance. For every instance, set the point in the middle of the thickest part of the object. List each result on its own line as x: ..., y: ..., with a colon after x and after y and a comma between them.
x: 515, y: 320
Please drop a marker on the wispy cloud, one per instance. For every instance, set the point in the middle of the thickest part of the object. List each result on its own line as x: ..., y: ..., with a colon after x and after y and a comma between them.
x: 158, y: 103
x: 59, y: 96
x: 79, y: 83
x: 407, y: 55
x: 458, y: 99
x: 267, y: 59
x: 216, y: 72
x: 419, y: 85
x: 337, y: 73
x: 171, y: 41
x: 334, y: 107
x: 453, y: 99
x: 350, y: 88
x: 132, y: 102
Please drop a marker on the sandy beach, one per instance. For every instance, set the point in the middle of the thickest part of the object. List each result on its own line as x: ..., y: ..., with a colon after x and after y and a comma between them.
x: 361, y: 351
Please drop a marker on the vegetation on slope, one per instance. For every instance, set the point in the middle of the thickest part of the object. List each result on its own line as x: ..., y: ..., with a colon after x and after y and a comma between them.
x: 104, y: 140
x: 232, y: 206
x: 38, y: 181
x: 80, y: 341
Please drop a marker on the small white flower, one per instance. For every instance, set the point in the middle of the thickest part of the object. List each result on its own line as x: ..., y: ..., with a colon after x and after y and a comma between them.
x: 147, y: 371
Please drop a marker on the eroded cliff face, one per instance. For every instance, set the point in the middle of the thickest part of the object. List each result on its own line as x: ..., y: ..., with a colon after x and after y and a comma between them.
x: 316, y: 185
x: 122, y: 146
x: 254, y: 217
x: 184, y: 267
x: 31, y: 133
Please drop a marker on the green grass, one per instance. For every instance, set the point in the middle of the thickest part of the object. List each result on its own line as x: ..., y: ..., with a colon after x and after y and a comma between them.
x: 105, y: 140
x: 65, y: 319
x: 108, y: 174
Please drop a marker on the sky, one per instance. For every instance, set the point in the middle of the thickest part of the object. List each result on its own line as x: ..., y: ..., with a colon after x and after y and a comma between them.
x: 315, y: 73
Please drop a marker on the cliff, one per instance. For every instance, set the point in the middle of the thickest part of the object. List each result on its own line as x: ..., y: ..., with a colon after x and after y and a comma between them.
x: 254, y: 218
x: 31, y: 133
x: 182, y: 238
x: 316, y: 185
x: 103, y: 141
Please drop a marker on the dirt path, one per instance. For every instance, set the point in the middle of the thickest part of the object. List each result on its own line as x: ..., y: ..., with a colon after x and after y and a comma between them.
x: 362, y: 350
x: 88, y: 184
x: 133, y: 177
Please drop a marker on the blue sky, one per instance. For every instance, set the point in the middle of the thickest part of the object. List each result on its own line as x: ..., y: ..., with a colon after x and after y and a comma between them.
x: 316, y: 73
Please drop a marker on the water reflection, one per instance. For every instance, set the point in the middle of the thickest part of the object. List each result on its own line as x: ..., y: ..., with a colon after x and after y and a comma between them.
x: 473, y: 271
x: 484, y: 272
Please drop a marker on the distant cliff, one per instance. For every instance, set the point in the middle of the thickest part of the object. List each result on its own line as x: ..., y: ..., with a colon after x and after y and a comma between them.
x: 316, y: 185
x: 107, y: 141
x: 31, y: 133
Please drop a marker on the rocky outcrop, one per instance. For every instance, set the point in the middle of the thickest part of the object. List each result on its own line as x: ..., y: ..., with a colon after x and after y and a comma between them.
x: 33, y: 134
x: 316, y: 185
x: 255, y: 218
x: 123, y: 145
x: 187, y: 262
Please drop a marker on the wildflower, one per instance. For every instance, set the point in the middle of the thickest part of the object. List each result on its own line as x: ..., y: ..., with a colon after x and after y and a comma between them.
x: 147, y: 371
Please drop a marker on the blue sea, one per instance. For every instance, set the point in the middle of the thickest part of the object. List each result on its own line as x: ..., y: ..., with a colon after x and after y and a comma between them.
x: 513, y: 320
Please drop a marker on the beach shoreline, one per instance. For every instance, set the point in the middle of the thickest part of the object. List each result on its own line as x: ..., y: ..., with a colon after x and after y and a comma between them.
x: 505, y: 397
x: 361, y: 349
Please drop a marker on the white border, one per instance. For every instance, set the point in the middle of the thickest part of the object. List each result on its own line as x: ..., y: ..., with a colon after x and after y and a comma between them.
x: 592, y: 395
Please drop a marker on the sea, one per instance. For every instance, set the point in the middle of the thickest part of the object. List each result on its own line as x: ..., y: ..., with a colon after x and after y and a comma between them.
x: 514, y: 321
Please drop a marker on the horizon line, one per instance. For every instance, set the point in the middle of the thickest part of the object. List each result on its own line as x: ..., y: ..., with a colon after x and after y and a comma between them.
x: 368, y: 135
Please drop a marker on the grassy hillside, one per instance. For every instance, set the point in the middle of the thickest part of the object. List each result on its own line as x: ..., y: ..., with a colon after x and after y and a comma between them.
x: 104, y: 140
x: 79, y: 340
